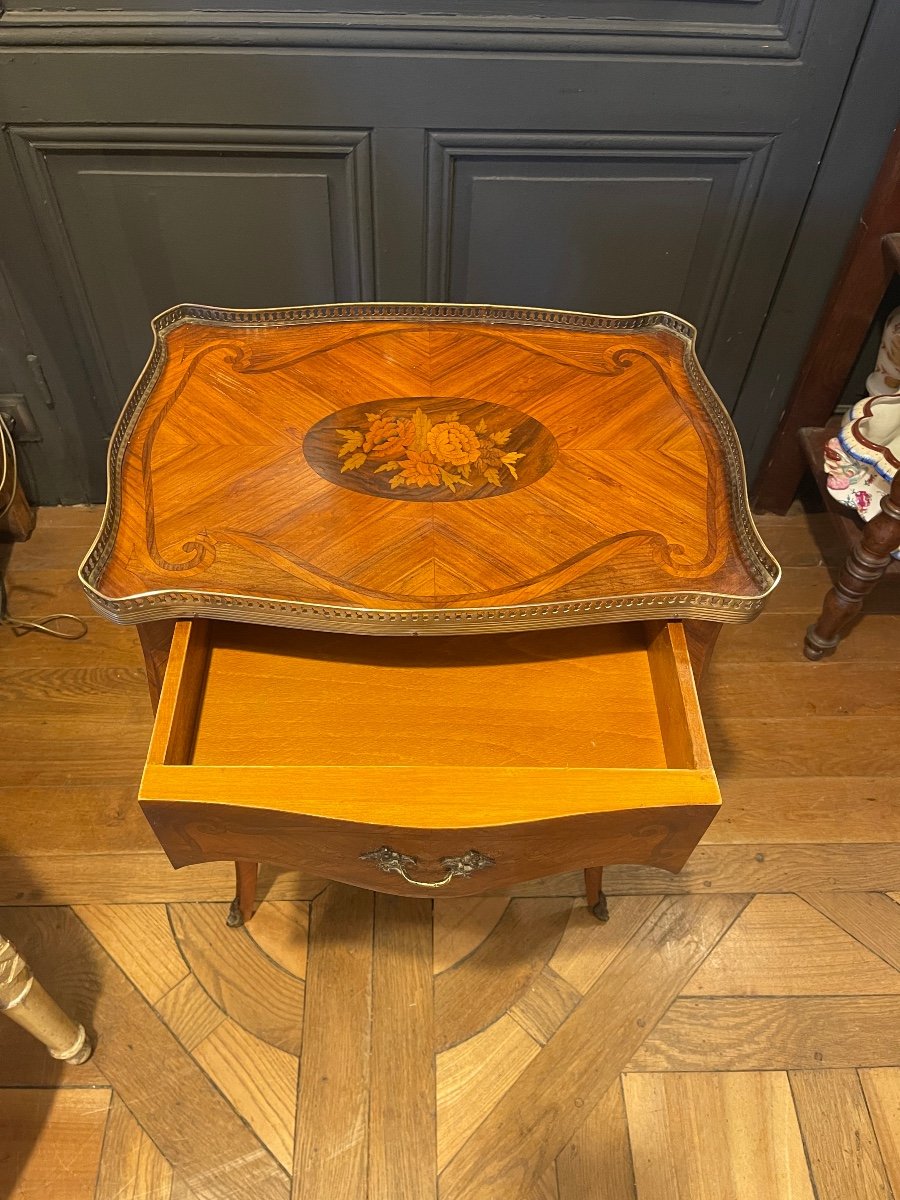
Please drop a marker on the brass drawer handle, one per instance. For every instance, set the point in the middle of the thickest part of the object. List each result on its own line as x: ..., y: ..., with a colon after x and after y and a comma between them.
x: 389, y: 860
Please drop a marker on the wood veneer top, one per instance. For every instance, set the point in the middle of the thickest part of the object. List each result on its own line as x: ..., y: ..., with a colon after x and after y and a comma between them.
x: 424, y: 468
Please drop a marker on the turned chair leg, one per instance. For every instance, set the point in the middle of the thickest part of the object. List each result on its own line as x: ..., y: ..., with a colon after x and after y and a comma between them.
x: 593, y: 886
x: 866, y: 564
x: 246, y: 876
x: 24, y: 1000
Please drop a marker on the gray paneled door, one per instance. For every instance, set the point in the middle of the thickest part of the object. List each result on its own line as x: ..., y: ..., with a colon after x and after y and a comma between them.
x: 562, y: 153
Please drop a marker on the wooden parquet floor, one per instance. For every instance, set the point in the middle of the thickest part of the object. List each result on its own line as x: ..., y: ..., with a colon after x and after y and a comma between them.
x: 733, y: 1033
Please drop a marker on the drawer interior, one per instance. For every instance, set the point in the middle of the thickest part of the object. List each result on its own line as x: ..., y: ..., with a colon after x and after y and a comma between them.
x: 618, y: 696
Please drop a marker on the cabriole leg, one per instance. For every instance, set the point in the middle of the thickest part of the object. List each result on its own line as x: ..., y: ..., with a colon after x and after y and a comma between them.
x: 24, y: 1000
x: 593, y: 886
x: 246, y: 876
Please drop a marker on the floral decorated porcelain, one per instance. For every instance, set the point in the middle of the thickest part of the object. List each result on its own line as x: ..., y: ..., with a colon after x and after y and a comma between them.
x: 886, y: 376
x: 863, y: 459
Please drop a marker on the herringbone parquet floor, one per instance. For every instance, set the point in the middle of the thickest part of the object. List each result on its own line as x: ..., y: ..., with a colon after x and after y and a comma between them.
x: 733, y: 1033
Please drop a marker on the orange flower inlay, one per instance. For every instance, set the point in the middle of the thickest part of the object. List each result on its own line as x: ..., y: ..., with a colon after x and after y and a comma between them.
x: 388, y: 438
x: 455, y: 443
x: 419, y: 469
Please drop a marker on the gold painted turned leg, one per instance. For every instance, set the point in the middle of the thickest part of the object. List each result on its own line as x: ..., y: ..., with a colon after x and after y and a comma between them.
x: 242, y: 906
x: 24, y: 1000
x: 593, y: 886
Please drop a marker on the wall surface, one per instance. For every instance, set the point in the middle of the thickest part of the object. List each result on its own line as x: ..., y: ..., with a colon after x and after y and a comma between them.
x: 567, y: 153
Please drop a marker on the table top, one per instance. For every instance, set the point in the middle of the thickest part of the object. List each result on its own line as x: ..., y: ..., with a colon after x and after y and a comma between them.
x: 412, y: 468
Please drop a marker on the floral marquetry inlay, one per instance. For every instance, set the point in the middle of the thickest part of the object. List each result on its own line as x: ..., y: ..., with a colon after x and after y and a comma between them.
x: 430, y: 448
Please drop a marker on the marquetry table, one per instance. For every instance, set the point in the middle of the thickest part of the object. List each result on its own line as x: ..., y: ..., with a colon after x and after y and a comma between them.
x: 567, y: 485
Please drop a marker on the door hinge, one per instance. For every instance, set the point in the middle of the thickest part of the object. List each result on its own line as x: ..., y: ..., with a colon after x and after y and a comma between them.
x: 40, y: 380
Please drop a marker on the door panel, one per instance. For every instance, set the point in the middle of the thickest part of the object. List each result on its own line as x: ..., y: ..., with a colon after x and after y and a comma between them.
x: 609, y: 224
x: 136, y: 226
x: 721, y: 28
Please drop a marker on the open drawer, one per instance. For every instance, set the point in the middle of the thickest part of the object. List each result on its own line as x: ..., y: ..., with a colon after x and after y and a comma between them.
x: 399, y: 763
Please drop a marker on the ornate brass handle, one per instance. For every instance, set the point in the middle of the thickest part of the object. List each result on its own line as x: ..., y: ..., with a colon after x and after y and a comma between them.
x: 389, y: 860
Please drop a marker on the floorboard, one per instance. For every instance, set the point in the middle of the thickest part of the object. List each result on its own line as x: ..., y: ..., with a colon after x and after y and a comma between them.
x: 844, y: 1157
x: 332, y: 1132
x: 723, y: 1136
x: 597, y: 1163
x: 48, y: 1135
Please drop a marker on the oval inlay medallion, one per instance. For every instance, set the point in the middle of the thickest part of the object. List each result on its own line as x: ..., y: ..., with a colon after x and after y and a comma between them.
x: 430, y: 448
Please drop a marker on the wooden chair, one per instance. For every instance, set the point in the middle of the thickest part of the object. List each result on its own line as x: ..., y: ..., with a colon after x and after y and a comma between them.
x: 870, y: 263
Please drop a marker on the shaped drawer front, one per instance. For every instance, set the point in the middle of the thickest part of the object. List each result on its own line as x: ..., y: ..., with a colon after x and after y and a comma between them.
x: 406, y: 765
